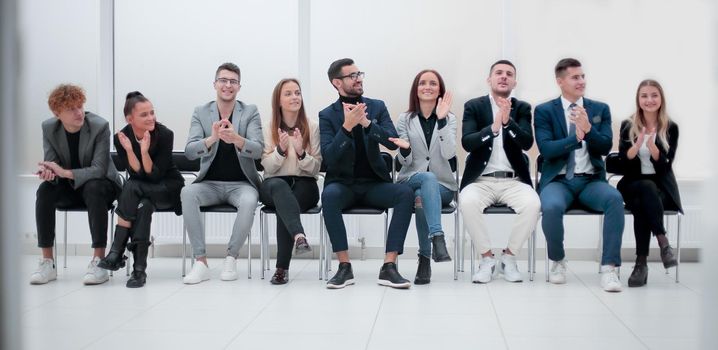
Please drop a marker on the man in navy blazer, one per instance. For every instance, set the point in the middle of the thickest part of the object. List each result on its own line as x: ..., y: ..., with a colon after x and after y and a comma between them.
x: 573, y: 134
x: 351, y: 130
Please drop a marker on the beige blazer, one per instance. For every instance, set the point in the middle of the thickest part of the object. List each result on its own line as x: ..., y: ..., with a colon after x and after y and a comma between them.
x: 276, y: 165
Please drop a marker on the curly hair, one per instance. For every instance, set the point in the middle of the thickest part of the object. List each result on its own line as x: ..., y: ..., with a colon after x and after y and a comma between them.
x: 66, y: 96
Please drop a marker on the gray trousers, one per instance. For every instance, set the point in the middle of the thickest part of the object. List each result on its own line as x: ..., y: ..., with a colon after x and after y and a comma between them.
x: 241, y: 195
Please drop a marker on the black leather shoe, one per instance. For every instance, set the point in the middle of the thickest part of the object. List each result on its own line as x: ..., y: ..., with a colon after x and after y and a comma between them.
x: 389, y: 276
x: 279, y: 277
x: 423, y: 272
x: 669, y: 260
x: 439, y: 252
x: 137, y: 279
x: 639, y: 276
x: 343, y: 277
x: 301, y: 246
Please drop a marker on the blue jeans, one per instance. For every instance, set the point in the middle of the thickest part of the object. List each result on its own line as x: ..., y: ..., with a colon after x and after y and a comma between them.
x: 595, y: 194
x: 428, y: 215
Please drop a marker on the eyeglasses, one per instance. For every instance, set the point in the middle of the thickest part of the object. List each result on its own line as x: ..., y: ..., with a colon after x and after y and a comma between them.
x: 224, y: 81
x: 353, y: 76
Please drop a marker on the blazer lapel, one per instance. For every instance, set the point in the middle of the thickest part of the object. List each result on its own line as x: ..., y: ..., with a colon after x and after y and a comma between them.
x: 84, y: 141
x: 560, y: 116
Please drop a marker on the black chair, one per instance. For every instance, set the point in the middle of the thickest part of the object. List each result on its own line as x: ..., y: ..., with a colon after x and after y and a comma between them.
x: 576, y: 209
x: 614, y: 168
x: 449, y: 209
x: 325, y: 257
x: 503, y: 209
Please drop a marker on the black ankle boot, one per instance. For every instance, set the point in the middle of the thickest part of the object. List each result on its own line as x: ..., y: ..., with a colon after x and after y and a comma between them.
x: 639, y: 276
x: 438, y: 251
x: 115, y: 259
x: 139, y: 253
x: 423, y: 272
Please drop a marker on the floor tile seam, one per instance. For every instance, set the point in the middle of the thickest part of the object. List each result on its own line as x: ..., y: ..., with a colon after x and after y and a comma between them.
x: 376, y: 317
x: 498, y: 320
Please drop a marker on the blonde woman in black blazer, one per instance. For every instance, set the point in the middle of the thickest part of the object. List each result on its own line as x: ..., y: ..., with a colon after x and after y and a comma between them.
x: 647, y: 148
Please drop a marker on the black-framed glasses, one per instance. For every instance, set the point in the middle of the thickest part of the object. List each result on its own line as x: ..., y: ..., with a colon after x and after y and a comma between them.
x: 224, y: 81
x: 353, y: 76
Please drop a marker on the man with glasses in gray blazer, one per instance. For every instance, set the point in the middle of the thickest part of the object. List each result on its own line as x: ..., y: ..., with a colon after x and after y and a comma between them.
x: 226, y: 135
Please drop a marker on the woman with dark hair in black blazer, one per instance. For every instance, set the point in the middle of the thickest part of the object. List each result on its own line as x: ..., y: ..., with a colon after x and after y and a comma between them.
x: 647, y: 147
x: 144, y: 147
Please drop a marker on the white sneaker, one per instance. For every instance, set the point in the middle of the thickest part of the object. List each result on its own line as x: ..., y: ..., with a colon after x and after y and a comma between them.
x: 487, y: 267
x: 510, y: 269
x: 229, y: 271
x: 609, y: 279
x: 199, y: 273
x: 94, y: 274
x: 46, y: 272
x: 557, y: 274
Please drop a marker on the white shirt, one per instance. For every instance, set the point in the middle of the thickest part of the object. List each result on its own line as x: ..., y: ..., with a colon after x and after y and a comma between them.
x: 583, y: 161
x: 644, y: 154
x: 498, y: 160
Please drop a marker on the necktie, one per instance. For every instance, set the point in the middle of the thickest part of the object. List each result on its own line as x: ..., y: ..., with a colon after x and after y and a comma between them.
x: 571, y: 163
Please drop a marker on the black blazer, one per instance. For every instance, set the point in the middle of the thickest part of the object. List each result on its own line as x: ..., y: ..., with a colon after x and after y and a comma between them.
x: 477, y: 137
x: 338, y: 148
x: 663, y: 166
x: 163, y: 168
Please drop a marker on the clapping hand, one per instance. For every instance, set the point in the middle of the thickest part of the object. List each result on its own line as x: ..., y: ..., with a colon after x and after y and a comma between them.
x: 443, y: 105
x: 400, y: 142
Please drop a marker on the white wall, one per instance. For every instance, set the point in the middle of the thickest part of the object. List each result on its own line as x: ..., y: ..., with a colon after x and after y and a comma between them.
x: 170, y: 50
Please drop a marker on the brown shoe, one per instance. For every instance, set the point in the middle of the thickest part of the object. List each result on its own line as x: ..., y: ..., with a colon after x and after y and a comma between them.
x: 279, y: 277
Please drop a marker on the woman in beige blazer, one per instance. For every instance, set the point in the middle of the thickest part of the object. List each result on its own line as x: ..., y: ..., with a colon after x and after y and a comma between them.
x: 291, y: 162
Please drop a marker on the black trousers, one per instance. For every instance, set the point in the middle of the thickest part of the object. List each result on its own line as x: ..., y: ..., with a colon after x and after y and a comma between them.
x: 646, y: 200
x: 290, y: 195
x: 138, y: 200
x: 97, y: 195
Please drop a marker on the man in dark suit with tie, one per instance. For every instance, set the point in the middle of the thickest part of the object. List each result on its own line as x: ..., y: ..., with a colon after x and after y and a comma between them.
x: 573, y: 134
x: 351, y: 130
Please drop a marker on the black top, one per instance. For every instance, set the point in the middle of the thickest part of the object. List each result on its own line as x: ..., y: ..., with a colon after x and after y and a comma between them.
x: 163, y: 168
x: 225, y: 165
x: 663, y: 166
x: 73, y: 142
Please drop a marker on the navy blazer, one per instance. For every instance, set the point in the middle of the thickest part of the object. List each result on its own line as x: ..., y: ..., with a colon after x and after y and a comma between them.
x: 555, y: 144
x: 338, y: 147
x: 478, y: 138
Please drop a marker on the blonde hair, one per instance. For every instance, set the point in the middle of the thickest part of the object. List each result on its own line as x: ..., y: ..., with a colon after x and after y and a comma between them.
x: 638, y: 119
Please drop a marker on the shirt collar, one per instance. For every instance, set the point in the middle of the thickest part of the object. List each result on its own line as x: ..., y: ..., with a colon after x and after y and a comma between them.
x: 565, y: 103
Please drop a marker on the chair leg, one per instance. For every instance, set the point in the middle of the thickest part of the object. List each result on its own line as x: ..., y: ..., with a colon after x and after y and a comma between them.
x: 386, y: 235
x: 262, y: 218
x: 599, y: 247
x: 678, y: 244
x: 456, y: 247
x: 184, y: 249
x: 265, y: 244
x: 473, y: 259
x: 112, y: 232
x: 327, y: 255
x: 531, y: 252
x: 321, y: 246
x: 64, y: 263
x: 249, y: 255
x: 546, y: 262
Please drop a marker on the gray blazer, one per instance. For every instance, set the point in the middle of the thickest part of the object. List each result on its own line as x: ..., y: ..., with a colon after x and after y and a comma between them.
x: 436, y: 157
x: 94, y: 149
x: 246, y: 122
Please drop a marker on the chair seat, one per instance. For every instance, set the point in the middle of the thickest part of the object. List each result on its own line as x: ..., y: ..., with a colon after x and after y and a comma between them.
x: 449, y: 209
x: 499, y: 209
x: 78, y: 208
x: 219, y: 208
x: 363, y: 210
x: 273, y: 210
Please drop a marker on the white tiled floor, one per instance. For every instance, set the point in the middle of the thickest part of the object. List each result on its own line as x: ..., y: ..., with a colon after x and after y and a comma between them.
x: 447, y: 314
